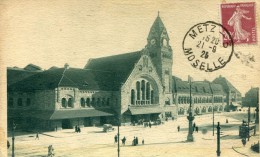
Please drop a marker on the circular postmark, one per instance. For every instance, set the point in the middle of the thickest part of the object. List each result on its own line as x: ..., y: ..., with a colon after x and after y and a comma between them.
x: 204, y: 48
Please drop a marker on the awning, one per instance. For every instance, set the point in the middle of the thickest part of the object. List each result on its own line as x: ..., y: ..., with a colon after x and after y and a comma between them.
x: 70, y: 113
x: 143, y: 110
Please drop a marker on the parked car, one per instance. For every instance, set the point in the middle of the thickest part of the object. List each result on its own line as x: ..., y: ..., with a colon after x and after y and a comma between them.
x: 108, y: 127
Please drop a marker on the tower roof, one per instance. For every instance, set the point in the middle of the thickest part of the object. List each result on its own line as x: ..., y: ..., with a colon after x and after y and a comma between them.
x: 157, y: 28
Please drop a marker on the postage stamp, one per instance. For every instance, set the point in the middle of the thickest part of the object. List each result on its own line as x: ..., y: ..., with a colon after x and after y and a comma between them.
x: 204, y: 48
x: 239, y: 19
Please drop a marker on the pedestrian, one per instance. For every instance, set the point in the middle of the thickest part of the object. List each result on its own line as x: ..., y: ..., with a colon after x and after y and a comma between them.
x: 244, y: 142
x: 197, y: 129
x: 150, y: 124
x: 37, y: 136
x: 50, y: 151
x: 123, y: 140
x: 79, y: 130
x: 136, y: 140
x: 115, y: 138
x: 56, y: 128
x: 76, y: 128
x: 143, y: 141
x: 226, y: 120
x: 178, y: 128
x: 133, y: 142
x: 8, y: 144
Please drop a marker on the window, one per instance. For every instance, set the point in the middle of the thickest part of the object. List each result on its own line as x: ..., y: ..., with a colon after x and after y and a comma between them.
x: 70, y: 102
x: 98, y: 102
x: 28, y: 102
x: 63, y: 102
x: 11, y: 102
x: 108, y: 101
x: 82, y: 102
x: 93, y: 102
x: 147, y: 91
x: 152, y: 97
x: 88, y: 102
x: 103, y: 102
x: 143, y: 89
x: 138, y: 90
x: 20, y: 102
x: 132, y: 97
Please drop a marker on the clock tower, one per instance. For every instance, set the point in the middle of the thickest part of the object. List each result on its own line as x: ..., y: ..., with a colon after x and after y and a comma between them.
x: 161, y: 53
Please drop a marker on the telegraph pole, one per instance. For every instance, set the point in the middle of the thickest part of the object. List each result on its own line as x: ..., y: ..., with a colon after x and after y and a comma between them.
x: 248, y: 122
x: 118, y: 138
x: 218, y: 140
x: 190, y: 118
x: 213, y: 123
x: 13, y: 129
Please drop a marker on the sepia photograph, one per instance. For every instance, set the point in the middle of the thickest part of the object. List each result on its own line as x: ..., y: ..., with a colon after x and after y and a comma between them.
x: 129, y: 78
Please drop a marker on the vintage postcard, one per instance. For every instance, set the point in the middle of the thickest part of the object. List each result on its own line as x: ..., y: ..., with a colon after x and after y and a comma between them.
x: 129, y: 78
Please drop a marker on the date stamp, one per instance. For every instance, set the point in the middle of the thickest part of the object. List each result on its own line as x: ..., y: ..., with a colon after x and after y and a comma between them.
x: 204, y: 48
x: 239, y: 19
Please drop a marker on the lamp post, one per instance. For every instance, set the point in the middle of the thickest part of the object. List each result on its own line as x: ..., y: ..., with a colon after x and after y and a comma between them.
x: 213, y: 124
x: 118, y: 137
x: 190, y: 118
x: 218, y: 140
x: 248, y: 122
x: 13, y: 129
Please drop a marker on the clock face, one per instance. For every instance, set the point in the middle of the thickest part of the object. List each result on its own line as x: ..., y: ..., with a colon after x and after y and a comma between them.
x: 153, y: 41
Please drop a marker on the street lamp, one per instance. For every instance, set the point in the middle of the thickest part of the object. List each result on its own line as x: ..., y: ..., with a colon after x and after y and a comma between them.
x: 118, y: 138
x: 190, y: 118
x: 13, y: 129
x: 213, y: 124
x: 248, y: 122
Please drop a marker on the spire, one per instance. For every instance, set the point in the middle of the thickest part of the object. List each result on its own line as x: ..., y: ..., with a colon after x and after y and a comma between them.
x: 157, y: 28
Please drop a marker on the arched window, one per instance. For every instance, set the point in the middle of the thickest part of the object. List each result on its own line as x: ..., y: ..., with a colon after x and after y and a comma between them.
x: 28, y: 102
x: 20, y: 102
x: 108, y: 101
x: 147, y: 91
x: 179, y: 100
x: 103, y: 101
x: 152, y: 97
x: 70, y: 102
x: 98, y: 102
x: 132, y: 97
x: 93, y: 102
x: 143, y: 89
x: 88, y: 102
x: 138, y: 90
x: 63, y: 102
x: 11, y: 102
x: 82, y: 102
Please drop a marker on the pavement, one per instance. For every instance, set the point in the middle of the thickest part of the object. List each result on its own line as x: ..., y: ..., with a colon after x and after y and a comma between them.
x: 162, y: 140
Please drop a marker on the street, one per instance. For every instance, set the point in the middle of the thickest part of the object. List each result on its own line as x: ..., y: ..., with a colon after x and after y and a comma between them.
x: 162, y: 140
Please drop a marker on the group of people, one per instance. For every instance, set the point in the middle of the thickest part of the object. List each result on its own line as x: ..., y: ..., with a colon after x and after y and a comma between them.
x: 135, y: 141
x: 77, y: 129
x: 116, y: 140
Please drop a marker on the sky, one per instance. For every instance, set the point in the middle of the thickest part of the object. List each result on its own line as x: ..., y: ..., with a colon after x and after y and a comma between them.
x: 54, y: 32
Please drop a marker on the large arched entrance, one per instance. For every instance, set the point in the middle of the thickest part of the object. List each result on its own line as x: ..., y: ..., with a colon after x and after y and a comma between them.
x: 204, y: 110
x: 181, y: 111
x: 197, y: 110
x: 210, y: 109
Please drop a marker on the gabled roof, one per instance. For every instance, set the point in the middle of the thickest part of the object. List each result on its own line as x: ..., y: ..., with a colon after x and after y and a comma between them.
x: 79, y: 78
x: 227, y: 86
x: 197, y: 87
x: 17, y: 74
x: 122, y: 65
